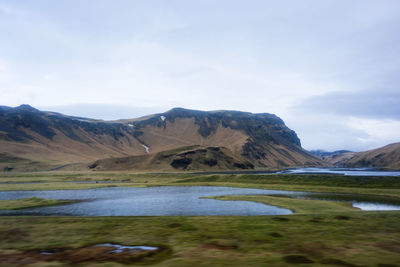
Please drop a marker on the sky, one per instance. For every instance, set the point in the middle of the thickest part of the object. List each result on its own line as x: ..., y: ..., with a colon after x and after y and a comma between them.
x: 329, y: 69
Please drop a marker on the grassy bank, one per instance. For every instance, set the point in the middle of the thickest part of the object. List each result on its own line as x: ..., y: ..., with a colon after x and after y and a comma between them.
x: 389, y: 186
x: 298, y: 206
x: 33, y: 202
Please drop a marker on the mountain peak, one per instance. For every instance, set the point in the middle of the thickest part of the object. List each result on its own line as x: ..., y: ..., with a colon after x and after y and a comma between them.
x: 25, y: 107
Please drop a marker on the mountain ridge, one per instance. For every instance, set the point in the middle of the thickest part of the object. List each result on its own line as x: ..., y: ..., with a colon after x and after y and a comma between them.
x: 42, y: 136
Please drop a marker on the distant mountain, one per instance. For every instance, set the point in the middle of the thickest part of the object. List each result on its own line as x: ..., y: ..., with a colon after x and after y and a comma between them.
x: 323, y: 153
x: 31, y: 139
x: 336, y: 158
x: 384, y: 157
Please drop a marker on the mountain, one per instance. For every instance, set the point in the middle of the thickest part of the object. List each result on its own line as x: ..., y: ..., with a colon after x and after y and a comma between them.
x: 337, y: 158
x: 384, y: 157
x: 31, y: 139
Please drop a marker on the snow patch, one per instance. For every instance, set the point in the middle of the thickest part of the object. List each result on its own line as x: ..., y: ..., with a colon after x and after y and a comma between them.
x: 130, y: 125
x: 146, y: 148
x: 162, y: 118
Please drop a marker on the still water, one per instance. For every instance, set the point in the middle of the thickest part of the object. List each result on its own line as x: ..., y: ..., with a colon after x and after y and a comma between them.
x: 340, y: 171
x: 177, y: 200
x: 150, y: 201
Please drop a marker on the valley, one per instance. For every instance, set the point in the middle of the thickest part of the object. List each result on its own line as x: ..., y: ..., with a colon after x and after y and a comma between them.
x: 199, y: 133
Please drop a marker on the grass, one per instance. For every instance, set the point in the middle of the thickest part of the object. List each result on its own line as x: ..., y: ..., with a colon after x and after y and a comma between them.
x: 358, y: 238
x: 301, y: 179
x: 299, y: 206
x: 319, y: 233
x: 389, y: 186
x: 26, y: 203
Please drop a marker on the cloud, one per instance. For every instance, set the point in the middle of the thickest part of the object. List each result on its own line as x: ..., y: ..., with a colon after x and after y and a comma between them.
x: 379, y: 132
x: 377, y: 104
x: 327, y: 132
x: 294, y: 59
x: 356, y: 121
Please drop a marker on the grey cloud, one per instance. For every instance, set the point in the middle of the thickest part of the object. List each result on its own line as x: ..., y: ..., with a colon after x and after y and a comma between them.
x: 327, y: 132
x: 368, y: 104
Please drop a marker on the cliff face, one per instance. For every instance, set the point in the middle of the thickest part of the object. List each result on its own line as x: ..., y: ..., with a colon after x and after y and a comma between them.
x: 55, y: 139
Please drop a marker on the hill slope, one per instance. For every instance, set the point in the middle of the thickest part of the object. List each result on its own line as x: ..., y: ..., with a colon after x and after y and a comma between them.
x: 263, y: 139
x: 186, y: 158
x: 384, y: 157
x: 55, y: 139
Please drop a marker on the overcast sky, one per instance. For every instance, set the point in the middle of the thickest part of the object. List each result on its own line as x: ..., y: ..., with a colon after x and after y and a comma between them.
x: 330, y: 69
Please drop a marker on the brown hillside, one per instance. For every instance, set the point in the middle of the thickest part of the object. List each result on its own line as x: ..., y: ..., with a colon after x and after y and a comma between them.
x: 339, y: 160
x: 185, y: 158
x: 51, y: 139
x: 384, y: 157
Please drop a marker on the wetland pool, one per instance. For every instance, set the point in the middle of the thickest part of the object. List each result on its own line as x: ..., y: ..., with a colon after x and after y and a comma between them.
x: 175, y: 201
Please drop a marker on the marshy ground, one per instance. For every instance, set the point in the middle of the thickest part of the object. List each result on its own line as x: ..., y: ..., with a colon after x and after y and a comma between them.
x: 320, y: 233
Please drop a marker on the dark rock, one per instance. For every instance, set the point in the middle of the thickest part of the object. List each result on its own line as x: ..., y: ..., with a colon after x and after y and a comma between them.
x: 181, y: 163
x: 93, y: 165
x: 7, y: 169
x: 210, y: 162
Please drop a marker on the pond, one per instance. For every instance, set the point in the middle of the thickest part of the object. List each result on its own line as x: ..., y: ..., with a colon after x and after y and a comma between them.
x: 175, y: 201
x: 149, y: 201
x: 343, y: 171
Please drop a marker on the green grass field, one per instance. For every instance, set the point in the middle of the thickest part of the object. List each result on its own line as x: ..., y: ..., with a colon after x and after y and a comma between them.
x: 319, y: 233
